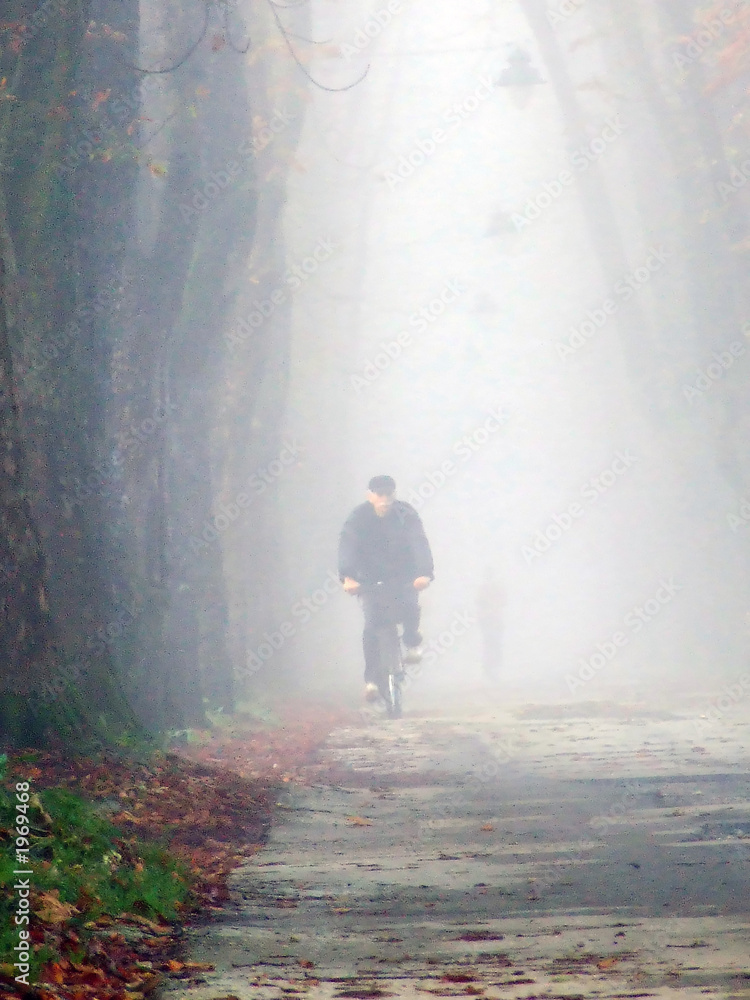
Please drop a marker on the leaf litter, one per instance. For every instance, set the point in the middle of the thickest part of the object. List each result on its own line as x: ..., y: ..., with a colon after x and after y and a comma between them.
x: 208, y: 806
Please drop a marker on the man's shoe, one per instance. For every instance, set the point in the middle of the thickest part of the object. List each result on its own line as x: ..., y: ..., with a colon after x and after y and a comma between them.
x: 371, y: 692
x: 414, y: 654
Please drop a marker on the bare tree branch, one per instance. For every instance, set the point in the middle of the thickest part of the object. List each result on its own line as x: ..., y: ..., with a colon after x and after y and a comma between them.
x: 190, y: 51
x: 285, y: 35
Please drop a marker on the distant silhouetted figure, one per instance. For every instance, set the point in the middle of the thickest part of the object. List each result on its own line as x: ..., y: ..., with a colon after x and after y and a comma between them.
x: 519, y: 71
x: 490, y: 603
x: 520, y: 77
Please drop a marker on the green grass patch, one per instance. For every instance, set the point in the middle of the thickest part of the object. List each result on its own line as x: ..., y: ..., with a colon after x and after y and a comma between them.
x: 83, y: 867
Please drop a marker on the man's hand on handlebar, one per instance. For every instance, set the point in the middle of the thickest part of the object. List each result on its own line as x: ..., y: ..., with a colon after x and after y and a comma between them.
x: 422, y: 583
x: 350, y: 586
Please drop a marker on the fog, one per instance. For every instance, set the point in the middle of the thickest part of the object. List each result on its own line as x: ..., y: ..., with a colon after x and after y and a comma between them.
x: 257, y: 254
x: 596, y: 494
x: 253, y: 255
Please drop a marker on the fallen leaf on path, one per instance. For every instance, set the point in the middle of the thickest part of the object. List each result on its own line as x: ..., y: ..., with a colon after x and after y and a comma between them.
x: 99, y: 98
x: 607, y: 963
x: 135, y: 918
x: 216, y: 801
x: 56, y: 973
x: 439, y: 993
x: 364, y: 994
x: 53, y: 910
x: 480, y: 935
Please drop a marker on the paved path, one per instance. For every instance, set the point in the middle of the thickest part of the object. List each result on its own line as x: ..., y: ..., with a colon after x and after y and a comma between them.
x: 502, y: 855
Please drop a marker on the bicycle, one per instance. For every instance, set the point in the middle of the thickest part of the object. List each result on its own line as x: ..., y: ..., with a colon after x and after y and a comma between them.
x: 392, y: 670
x: 391, y: 673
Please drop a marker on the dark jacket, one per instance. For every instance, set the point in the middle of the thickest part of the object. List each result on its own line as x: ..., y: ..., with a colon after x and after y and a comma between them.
x: 393, y: 547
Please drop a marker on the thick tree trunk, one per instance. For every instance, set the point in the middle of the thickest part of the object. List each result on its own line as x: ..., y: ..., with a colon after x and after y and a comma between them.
x: 50, y: 399
x: 27, y: 658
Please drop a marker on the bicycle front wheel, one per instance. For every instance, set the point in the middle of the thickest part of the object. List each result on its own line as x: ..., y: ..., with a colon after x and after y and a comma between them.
x: 389, y: 681
x: 394, y: 686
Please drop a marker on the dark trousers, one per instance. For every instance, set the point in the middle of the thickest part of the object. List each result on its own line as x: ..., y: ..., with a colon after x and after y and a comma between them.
x: 388, y: 604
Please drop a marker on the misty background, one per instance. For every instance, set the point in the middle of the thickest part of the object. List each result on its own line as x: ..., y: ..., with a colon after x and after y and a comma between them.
x: 459, y: 214
x: 497, y: 252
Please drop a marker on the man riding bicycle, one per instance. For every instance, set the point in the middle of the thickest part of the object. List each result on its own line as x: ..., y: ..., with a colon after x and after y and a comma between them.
x: 383, y: 542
